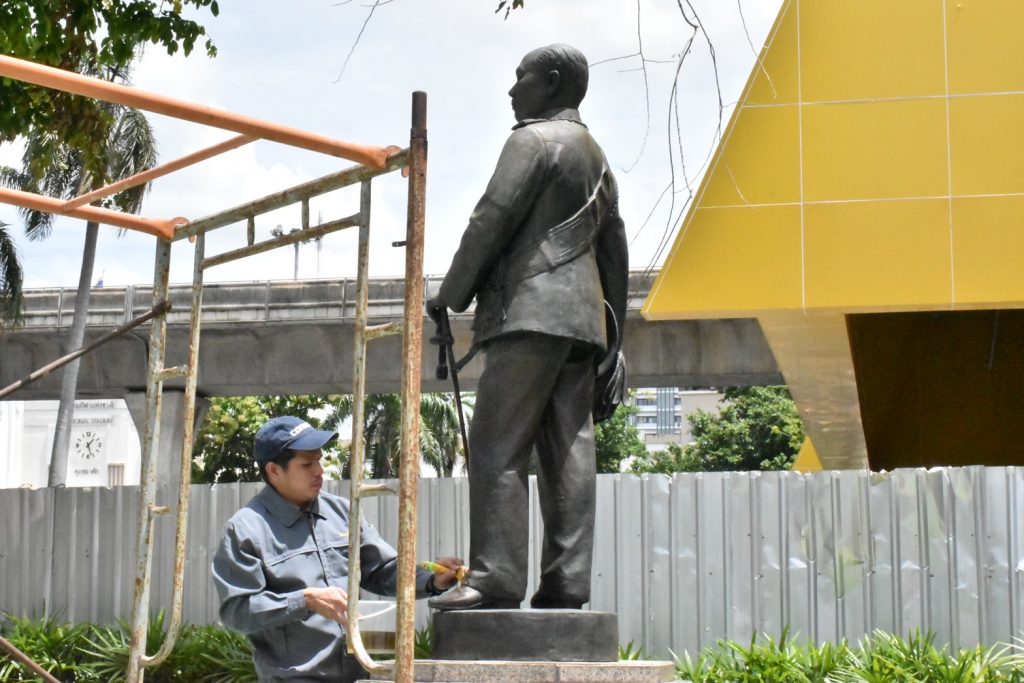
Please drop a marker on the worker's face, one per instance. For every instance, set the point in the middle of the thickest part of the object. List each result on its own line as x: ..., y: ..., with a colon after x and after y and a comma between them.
x: 532, y: 93
x: 301, y: 481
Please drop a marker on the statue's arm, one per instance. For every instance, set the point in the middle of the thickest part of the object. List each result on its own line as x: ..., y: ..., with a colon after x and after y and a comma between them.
x: 613, y: 262
x: 515, y: 184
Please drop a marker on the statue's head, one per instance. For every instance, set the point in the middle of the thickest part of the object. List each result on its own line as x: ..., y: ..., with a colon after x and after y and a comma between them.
x: 549, y: 77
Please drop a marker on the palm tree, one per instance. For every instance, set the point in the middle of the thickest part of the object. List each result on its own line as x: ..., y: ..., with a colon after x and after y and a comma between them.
x: 10, y: 279
x: 440, y: 439
x: 53, y: 168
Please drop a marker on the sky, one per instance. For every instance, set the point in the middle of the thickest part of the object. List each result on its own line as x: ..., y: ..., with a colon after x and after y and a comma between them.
x: 285, y: 61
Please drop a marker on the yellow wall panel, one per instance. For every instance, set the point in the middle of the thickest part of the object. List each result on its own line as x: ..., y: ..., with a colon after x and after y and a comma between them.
x: 987, y: 144
x: 732, y: 259
x: 871, y: 48
x: 760, y: 164
x: 988, y: 249
x: 775, y: 80
x: 985, y: 52
x: 877, y: 254
x: 872, y: 150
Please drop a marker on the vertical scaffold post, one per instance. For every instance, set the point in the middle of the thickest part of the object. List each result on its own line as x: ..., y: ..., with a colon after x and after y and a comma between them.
x: 412, y: 361
x: 185, y: 475
x: 355, y: 643
x: 150, y: 442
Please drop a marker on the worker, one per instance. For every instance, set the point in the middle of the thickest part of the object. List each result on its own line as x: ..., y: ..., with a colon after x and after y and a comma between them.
x: 281, y: 569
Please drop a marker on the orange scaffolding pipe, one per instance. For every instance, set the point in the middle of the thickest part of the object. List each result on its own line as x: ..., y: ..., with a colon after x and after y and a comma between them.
x: 159, y: 171
x: 71, y: 82
x: 163, y: 228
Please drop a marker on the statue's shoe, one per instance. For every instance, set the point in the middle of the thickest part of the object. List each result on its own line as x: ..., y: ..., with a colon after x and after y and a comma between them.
x: 467, y: 597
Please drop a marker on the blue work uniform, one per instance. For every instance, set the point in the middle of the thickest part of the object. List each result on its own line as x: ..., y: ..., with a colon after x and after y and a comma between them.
x: 271, y: 552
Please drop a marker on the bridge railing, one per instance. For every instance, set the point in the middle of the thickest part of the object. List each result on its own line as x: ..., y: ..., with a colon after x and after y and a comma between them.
x: 253, y: 301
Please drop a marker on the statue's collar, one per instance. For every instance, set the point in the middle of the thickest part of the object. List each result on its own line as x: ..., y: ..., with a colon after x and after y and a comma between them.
x: 557, y: 114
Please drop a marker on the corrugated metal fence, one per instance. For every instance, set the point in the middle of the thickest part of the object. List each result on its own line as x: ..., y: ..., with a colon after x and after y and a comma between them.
x: 683, y: 560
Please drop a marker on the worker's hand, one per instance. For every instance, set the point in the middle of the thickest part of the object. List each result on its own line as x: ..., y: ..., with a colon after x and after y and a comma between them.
x: 330, y: 602
x: 435, y: 307
x: 445, y: 580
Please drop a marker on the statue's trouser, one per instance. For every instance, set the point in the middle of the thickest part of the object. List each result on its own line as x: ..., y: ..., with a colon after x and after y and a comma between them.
x: 536, y: 391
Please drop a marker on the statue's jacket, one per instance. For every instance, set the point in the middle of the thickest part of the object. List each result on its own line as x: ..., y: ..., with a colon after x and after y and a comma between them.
x: 545, y: 245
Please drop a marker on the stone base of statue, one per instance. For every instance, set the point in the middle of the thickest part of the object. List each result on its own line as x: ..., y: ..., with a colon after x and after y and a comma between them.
x: 527, y: 635
x: 441, y: 671
x: 530, y: 646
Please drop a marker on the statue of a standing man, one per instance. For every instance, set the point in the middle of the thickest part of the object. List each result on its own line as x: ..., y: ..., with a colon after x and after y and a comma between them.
x: 543, y: 251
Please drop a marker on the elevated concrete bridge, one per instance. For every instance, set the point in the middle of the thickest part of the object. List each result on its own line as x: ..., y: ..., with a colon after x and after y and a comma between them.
x: 295, y: 337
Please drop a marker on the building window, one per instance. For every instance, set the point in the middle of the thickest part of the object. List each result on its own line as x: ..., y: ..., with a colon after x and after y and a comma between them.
x: 115, y: 474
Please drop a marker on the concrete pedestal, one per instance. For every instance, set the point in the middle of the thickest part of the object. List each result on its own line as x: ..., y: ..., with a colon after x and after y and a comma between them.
x: 551, y: 635
x: 437, y: 671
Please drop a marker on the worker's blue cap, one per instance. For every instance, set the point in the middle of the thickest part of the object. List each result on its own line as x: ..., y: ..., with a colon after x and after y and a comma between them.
x: 283, y: 433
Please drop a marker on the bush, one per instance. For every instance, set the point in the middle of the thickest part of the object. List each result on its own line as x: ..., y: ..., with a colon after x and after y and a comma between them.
x: 89, y: 652
x: 881, y: 658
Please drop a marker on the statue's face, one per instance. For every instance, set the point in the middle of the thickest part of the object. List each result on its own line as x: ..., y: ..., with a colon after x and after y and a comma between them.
x: 531, y: 94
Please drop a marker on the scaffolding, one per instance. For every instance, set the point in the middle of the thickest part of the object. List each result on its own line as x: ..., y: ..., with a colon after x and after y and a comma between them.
x: 372, y: 162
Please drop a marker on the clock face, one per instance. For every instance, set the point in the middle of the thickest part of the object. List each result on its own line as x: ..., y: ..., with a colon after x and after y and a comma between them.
x: 88, y: 445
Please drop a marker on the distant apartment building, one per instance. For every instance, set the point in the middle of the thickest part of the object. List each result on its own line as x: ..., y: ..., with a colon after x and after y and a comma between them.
x: 661, y: 413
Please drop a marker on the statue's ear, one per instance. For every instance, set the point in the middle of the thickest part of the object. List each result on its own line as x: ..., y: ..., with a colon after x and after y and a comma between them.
x: 554, y: 81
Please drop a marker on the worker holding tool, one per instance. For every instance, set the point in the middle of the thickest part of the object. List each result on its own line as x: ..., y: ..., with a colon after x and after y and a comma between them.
x: 544, y: 250
x: 282, y: 564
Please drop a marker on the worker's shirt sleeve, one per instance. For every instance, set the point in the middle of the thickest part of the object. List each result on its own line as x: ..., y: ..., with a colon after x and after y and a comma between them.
x: 246, y: 604
x: 379, y: 566
x: 517, y: 180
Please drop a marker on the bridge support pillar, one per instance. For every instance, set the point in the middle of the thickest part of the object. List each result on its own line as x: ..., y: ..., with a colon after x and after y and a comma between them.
x: 172, y: 432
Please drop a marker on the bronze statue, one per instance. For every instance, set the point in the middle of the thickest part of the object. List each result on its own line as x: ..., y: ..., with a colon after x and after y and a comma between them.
x: 544, y: 250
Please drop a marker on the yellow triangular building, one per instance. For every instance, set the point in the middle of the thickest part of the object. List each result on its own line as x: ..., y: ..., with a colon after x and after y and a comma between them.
x: 874, y: 164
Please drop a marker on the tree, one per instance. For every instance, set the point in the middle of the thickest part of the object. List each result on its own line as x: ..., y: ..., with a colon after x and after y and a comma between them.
x: 616, y: 439
x: 757, y: 428
x: 440, y: 437
x: 222, y: 451
x: 97, y: 35
x: 129, y: 148
x: 10, y: 279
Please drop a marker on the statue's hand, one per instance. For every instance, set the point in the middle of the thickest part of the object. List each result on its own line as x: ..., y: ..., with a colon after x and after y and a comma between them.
x: 435, y: 307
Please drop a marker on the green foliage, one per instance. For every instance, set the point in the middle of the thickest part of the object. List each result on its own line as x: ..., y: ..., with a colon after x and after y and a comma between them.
x: 423, y: 642
x: 223, y: 447
x: 508, y: 6
x: 616, y: 439
x: 89, y: 36
x: 89, y: 652
x: 11, y: 277
x: 757, y: 428
x: 631, y: 652
x: 49, y: 642
x: 212, y: 654
x: 881, y: 658
x: 440, y: 437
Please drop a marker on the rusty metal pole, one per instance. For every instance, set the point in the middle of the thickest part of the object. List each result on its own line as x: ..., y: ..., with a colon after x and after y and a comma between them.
x: 147, y: 483
x: 185, y: 476
x: 412, y: 361
x: 357, y: 448
x: 160, y: 309
x: 27, y: 661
